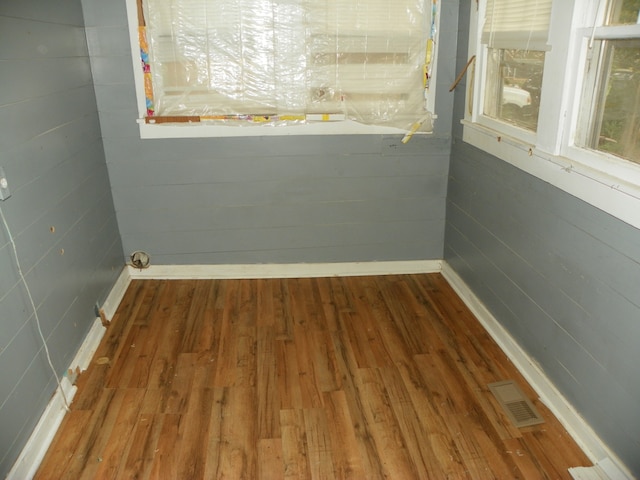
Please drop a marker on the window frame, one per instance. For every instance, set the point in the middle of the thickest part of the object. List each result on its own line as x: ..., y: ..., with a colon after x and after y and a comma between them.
x: 603, y: 180
x: 200, y: 130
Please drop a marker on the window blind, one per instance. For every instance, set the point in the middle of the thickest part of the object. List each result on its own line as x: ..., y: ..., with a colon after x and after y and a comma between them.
x: 517, y: 24
x: 360, y: 58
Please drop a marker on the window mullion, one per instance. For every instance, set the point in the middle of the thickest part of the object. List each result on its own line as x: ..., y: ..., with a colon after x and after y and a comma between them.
x: 617, y: 32
x: 557, y: 91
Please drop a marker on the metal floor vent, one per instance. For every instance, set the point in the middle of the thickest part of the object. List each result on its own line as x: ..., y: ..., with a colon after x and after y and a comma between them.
x: 516, y: 405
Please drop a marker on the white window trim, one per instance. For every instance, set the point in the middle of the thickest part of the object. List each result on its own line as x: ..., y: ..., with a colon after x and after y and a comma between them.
x: 340, y: 127
x: 604, y: 181
x: 344, y: 127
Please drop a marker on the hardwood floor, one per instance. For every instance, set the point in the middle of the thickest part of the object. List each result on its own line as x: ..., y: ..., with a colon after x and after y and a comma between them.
x: 356, y: 377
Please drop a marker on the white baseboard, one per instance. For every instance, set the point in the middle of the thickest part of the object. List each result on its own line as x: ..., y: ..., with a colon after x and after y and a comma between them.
x: 114, y: 298
x: 606, y: 462
x: 42, y: 435
x: 89, y: 346
x: 292, y: 270
x: 603, y: 470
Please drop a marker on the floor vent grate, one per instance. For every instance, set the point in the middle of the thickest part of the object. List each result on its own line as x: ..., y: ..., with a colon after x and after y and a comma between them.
x: 516, y: 405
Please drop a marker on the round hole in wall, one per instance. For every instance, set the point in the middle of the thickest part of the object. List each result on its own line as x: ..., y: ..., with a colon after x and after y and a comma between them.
x: 140, y: 259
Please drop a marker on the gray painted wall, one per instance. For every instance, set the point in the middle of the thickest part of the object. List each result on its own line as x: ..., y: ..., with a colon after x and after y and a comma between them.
x: 52, y: 154
x: 560, y: 275
x: 268, y: 199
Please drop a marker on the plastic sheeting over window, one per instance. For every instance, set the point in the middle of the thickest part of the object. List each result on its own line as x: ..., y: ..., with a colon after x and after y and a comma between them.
x: 289, y: 61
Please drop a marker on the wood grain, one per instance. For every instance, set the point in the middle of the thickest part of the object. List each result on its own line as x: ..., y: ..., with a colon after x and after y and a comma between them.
x: 348, y: 378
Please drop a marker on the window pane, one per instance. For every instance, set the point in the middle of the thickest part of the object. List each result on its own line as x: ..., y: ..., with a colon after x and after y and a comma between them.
x: 517, y: 24
x: 617, y: 124
x: 514, y: 81
x: 623, y: 12
x: 222, y: 59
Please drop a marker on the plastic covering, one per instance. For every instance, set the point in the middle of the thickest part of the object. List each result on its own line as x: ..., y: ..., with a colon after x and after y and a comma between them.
x: 289, y: 61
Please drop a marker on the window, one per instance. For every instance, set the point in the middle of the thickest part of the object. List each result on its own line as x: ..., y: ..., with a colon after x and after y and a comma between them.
x: 515, y: 35
x: 283, y: 63
x: 555, y: 90
x: 611, y: 122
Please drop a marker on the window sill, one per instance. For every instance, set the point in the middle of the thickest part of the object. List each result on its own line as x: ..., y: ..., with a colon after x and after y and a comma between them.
x: 346, y: 127
x: 614, y: 195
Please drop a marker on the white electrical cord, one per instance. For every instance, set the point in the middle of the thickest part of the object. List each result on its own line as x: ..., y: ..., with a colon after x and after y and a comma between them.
x: 35, y: 310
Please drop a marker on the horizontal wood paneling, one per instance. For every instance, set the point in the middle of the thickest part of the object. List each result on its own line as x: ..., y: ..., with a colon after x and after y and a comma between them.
x: 62, y: 74
x: 25, y: 120
x: 64, y: 11
x: 562, y: 277
x: 26, y: 39
x: 276, y: 192
x: 97, y: 14
x: 285, y: 238
x: 170, y: 169
x: 60, y: 213
x: 281, y: 215
x: 342, y: 253
x: 109, y: 40
x: 281, y: 197
x: 50, y: 148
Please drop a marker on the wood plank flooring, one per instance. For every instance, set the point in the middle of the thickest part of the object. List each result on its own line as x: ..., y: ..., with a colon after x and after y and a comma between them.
x: 356, y: 377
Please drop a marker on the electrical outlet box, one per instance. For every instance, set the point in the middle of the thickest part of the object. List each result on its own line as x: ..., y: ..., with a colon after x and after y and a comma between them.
x: 4, y: 186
